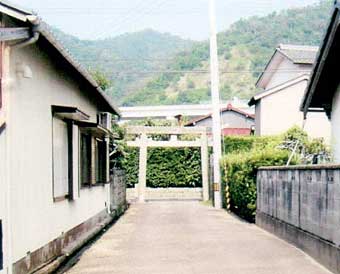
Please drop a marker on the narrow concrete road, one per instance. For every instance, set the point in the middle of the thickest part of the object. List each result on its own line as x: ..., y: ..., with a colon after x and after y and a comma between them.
x: 188, y: 237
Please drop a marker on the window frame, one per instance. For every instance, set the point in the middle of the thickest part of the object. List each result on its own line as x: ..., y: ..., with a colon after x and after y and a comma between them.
x: 69, y: 195
x: 83, y: 184
x: 100, y: 162
x: 95, y: 164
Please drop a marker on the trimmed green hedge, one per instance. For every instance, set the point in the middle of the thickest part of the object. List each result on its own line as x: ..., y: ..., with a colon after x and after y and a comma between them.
x: 239, y: 174
x: 173, y: 167
x: 166, y: 167
x: 244, y: 155
x: 130, y: 164
x: 232, y: 144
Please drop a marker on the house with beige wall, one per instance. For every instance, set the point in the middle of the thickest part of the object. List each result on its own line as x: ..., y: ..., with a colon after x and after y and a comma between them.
x: 282, y: 87
x: 54, y: 154
x: 323, y: 92
x: 234, y: 121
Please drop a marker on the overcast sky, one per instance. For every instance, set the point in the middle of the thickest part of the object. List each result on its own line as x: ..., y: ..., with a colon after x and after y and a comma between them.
x: 90, y: 19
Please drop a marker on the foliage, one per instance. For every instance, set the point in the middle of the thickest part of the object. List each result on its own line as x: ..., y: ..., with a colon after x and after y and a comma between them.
x: 101, y: 79
x: 244, y: 155
x: 119, y: 56
x: 234, y: 144
x: 310, y: 151
x: 117, y: 147
x: 167, y: 167
x: 240, y: 171
x: 246, y: 45
x: 130, y: 164
x: 294, y: 134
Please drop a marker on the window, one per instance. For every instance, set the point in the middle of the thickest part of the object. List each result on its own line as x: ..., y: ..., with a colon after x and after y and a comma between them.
x: 85, y: 159
x: 61, y: 159
x: 93, y: 163
x: 1, y: 247
x: 92, y: 153
x: 100, y: 161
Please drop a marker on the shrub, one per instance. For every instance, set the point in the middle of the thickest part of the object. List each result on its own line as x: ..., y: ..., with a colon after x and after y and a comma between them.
x: 239, y: 174
x: 310, y: 151
x: 130, y: 164
x: 233, y: 144
x: 173, y: 167
x: 166, y: 167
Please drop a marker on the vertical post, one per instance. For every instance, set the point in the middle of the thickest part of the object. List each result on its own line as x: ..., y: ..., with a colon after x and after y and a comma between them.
x: 107, y: 162
x: 142, y: 167
x: 107, y: 178
x: 93, y: 160
x: 70, y: 159
x: 216, y: 118
x: 204, y: 166
x: 75, y: 141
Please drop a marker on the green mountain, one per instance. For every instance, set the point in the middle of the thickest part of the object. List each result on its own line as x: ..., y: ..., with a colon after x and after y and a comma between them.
x: 122, y: 59
x: 132, y: 61
x: 244, y: 49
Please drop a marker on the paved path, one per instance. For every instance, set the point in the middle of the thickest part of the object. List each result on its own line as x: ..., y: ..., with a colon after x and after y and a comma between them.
x: 188, y: 237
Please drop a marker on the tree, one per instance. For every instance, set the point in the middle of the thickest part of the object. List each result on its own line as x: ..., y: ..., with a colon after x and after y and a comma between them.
x: 103, y: 82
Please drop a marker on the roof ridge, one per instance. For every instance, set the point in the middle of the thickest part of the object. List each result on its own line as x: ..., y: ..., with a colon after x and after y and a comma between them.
x: 277, y: 88
x: 17, y: 7
x: 229, y: 107
x: 297, y: 47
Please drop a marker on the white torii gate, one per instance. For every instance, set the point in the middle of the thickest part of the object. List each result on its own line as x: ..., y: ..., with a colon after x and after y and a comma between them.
x: 143, y: 143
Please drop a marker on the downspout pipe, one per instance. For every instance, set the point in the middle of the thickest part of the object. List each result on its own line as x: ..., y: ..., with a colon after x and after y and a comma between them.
x: 35, y: 29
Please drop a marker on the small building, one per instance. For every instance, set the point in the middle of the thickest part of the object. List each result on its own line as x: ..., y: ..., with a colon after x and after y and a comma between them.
x: 323, y: 91
x: 54, y: 154
x: 283, y: 84
x: 234, y: 121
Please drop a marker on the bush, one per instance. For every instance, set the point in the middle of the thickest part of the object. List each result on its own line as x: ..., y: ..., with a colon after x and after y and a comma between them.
x: 233, y: 144
x: 166, y: 167
x: 310, y: 151
x: 130, y: 164
x: 173, y: 167
x: 239, y: 174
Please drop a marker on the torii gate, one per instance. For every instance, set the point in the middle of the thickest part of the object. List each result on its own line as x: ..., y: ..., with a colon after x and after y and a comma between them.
x: 143, y: 143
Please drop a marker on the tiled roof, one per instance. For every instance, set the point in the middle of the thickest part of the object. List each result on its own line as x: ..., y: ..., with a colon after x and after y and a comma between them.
x: 299, y: 54
x: 228, y: 108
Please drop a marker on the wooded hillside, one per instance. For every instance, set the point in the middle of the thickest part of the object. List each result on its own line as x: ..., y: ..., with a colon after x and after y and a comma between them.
x: 244, y: 49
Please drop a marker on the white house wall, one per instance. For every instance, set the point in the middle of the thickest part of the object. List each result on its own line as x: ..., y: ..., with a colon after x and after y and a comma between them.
x: 258, y: 118
x: 335, y: 120
x: 3, y: 188
x: 287, y: 71
x: 280, y: 111
x: 38, y: 220
x: 4, y: 138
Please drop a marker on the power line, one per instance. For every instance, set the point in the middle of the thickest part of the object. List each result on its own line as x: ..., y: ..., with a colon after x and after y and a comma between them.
x: 208, y: 71
x: 97, y: 12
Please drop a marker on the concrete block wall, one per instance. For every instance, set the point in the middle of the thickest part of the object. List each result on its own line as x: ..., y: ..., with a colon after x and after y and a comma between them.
x: 167, y: 193
x: 304, y: 201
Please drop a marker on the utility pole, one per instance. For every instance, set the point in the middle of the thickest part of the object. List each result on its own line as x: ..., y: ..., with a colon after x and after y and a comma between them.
x: 215, y: 95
